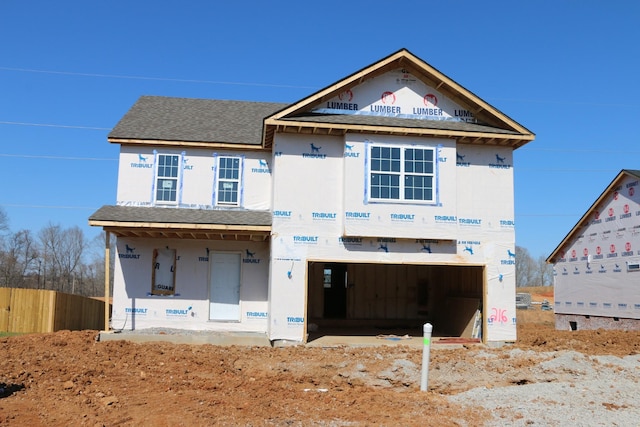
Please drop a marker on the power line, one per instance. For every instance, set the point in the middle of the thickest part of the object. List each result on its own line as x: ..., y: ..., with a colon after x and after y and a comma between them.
x: 566, y: 150
x: 115, y: 76
x: 49, y: 207
x: 94, y: 208
x: 551, y: 101
x: 520, y: 169
x: 527, y: 148
x: 29, y: 156
x: 53, y: 125
x: 223, y: 82
x: 548, y: 215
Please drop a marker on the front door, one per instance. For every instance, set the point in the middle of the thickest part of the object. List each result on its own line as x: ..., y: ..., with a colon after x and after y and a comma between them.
x: 224, y: 288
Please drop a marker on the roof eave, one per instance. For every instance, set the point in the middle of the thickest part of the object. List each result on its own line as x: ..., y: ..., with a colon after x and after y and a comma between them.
x: 186, y: 144
x: 486, y: 138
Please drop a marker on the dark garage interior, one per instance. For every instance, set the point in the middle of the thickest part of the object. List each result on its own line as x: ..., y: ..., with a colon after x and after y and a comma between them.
x: 372, y: 299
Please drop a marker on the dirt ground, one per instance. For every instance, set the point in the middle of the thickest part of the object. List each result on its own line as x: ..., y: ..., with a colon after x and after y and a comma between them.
x: 68, y: 378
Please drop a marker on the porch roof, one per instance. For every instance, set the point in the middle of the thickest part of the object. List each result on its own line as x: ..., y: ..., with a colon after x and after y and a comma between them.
x: 181, y: 223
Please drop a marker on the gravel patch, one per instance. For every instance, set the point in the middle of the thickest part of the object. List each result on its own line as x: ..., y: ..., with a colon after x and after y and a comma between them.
x: 567, y: 389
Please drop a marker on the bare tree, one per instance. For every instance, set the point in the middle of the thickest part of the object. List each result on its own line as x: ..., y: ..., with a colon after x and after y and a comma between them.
x: 525, y: 268
x: 544, y: 272
x: 94, y: 265
x: 63, y: 251
x: 4, y: 220
x: 18, y: 256
x: 50, y: 238
x: 55, y: 258
x: 69, y: 255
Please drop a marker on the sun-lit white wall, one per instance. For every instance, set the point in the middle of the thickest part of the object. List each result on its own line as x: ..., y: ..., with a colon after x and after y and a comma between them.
x: 320, y: 184
x: 135, y: 308
x: 137, y: 175
x: 597, y: 272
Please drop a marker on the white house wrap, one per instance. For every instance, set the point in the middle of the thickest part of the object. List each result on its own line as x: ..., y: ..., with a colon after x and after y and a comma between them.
x: 597, y: 266
x: 377, y: 202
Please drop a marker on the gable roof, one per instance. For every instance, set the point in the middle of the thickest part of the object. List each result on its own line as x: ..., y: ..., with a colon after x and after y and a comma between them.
x: 584, y: 220
x: 159, y: 120
x: 164, y: 120
x: 497, y: 127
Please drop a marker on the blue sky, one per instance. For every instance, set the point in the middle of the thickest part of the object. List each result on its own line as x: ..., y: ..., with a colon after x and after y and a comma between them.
x: 69, y: 70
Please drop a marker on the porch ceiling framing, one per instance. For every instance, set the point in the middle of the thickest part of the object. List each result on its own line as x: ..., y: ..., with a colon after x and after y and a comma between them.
x: 251, y: 233
x: 335, y: 129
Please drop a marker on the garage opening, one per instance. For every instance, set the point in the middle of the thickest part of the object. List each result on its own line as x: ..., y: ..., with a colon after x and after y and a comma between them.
x: 373, y: 299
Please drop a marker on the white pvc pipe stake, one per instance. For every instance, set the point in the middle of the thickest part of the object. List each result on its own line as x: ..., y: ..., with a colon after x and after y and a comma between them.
x: 426, y: 348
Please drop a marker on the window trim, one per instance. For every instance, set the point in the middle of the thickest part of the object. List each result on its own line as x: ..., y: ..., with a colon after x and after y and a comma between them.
x: 178, y: 179
x: 402, y: 173
x: 218, y: 180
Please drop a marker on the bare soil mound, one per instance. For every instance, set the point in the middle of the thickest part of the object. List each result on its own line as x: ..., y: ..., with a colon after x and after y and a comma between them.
x: 68, y: 378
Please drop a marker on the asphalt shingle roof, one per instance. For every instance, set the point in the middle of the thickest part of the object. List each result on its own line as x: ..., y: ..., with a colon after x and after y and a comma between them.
x: 195, y: 120
x: 240, y: 122
x: 181, y: 215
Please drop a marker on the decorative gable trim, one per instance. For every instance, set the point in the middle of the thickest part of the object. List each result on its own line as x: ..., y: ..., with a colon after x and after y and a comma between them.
x: 491, y: 117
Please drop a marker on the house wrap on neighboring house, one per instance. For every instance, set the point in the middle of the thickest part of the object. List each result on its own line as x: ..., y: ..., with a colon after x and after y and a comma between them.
x: 596, y: 267
x: 383, y: 200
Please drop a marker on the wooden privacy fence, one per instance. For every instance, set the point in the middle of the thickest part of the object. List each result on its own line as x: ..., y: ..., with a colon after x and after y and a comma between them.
x: 36, y: 310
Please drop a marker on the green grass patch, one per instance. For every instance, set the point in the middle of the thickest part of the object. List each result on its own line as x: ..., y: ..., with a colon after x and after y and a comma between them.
x: 9, y: 334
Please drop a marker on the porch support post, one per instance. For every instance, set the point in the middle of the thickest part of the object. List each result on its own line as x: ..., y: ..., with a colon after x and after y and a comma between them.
x: 107, y: 266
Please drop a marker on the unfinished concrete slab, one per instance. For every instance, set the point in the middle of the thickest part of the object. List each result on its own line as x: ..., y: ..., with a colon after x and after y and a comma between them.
x: 190, y: 337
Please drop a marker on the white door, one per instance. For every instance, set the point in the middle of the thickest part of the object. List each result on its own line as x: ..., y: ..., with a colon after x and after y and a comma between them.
x: 224, y: 288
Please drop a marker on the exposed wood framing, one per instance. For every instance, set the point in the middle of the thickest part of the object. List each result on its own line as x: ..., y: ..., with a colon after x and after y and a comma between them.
x: 483, y: 138
x: 180, y: 226
x: 256, y: 233
x: 158, y: 233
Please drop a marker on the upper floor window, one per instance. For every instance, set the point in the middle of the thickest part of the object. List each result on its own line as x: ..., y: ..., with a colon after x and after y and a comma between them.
x: 228, y: 177
x: 402, y: 174
x: 167, y: 174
